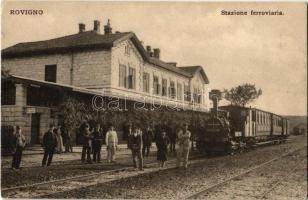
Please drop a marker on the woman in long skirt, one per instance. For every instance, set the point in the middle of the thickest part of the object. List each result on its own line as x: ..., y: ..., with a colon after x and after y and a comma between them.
x: 60, y: 140
x: 162, y: 143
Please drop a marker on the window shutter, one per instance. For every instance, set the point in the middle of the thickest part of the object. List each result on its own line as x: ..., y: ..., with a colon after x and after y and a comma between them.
x: 169, y: 92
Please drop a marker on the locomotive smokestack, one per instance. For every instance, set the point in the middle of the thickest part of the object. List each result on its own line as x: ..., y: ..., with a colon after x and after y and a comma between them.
x: 215, y: 96
x: 215, y: 106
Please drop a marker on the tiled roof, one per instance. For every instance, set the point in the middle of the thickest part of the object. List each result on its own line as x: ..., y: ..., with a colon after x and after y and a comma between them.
x: 192, y: 70
x: 86, y: 40
x: 71, y: 42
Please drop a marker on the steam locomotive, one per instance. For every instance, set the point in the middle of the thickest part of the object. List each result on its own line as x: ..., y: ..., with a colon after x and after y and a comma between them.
x: 234, y: 128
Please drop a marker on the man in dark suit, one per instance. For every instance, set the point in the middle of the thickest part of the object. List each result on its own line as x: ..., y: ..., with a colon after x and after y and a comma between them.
x: 49, y: 145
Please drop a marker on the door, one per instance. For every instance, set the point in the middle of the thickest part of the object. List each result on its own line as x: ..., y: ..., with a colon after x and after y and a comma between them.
x: 35, y: 128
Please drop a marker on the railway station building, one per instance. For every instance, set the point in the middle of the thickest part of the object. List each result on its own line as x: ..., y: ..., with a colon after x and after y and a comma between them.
x: 91, y: 63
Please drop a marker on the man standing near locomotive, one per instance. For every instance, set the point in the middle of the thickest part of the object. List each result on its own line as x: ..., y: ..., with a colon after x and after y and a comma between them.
x: 183, y: 140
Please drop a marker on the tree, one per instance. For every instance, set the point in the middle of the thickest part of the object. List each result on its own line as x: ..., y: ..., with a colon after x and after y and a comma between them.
x: 242, y: 94
x: 73, y: 112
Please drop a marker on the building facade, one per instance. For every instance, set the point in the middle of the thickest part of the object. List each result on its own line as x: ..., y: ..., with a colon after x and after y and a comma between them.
x: 107, y: 64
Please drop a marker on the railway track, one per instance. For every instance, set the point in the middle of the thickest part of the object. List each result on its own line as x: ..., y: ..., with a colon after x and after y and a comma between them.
x: 33, y: 190
x: 37, y: 187
x: 224, y: 182
x: 280, y: 181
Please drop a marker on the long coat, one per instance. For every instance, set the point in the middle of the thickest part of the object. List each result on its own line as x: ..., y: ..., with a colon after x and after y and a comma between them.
x: 162, y: 148
x: 147, y: 138
x: 50, y: 140
x: 135, y: 142
x: 97, y: 139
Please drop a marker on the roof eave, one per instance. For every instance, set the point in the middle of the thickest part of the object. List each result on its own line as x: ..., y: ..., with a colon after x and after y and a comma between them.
x: 55, y: 50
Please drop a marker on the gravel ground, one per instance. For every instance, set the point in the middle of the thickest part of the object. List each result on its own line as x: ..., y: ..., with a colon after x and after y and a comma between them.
x: 260, y: 183
x: 178, y: 183
x: 34, y: 160
x: 66, y: 166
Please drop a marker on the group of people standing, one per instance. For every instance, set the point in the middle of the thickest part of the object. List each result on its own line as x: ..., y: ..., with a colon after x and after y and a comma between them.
x: 182, y: 139
x: 93, y: 141
x: 139, y: 142
x: 53, y: 143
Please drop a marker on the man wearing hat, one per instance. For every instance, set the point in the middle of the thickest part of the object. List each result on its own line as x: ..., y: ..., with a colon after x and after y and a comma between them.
x: 49, y: 144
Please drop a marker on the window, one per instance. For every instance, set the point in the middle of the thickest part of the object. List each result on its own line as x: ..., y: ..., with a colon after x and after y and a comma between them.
x: 8, y: 94
x: 172, y: 92
x: 131, y: 78
x: 197, y: 95
x: 179, y: 91
x: 253, y: 115
x: 51, y: 73
x: 146, y: 82
x: 127, y: 50
x: 122, y: 76
x: 156, y: 86
x: 164, y: 87
x: 186, y: 93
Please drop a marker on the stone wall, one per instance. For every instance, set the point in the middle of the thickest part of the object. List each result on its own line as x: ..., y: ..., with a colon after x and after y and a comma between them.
x: 16, y: 115
x: 135, y: 60
x: 88, y: 69
x: 34, y: 67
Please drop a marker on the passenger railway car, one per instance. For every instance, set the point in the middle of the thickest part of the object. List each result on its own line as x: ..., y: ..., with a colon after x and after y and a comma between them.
x: 234, y: 128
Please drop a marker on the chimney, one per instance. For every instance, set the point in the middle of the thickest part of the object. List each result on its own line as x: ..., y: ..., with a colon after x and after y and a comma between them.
x: 82, y: 27
x: 215, y: 96
x: 149, y: 50
x: 156, y: 53
x: 172, y: 63
x: 107, y: 28
x: 96, y: 27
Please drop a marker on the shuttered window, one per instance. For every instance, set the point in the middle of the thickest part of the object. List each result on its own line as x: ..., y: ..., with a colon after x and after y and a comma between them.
x: 131, y: 78
x: 146, y: 82
x: 179, y: 91
x: 197, y: 95
x: 164, y: 87
x: 51, y: 73
x: 156, y: 86
x: 172, y: 92
x: 186, y: 93
x: 122, y: 76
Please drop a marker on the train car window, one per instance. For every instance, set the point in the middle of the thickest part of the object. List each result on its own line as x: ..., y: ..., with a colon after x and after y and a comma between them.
x: 259, y: 117
x: 265, y: 118
x: 253, y: 115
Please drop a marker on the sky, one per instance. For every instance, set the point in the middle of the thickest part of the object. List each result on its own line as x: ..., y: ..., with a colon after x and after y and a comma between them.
x: 268, y: 51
